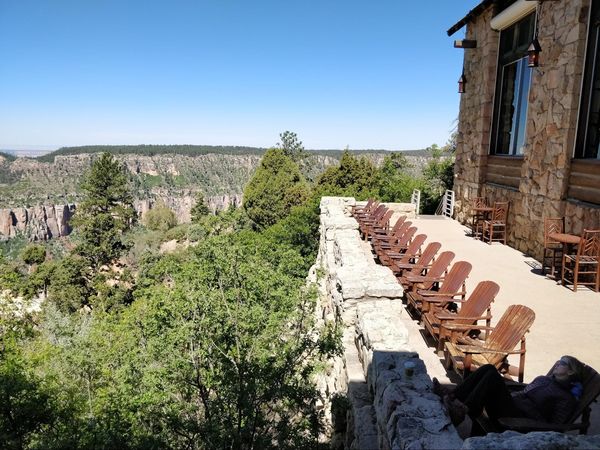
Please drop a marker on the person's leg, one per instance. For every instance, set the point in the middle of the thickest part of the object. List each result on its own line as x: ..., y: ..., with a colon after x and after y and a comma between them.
x: 464, y: 389
x: 492, y: 394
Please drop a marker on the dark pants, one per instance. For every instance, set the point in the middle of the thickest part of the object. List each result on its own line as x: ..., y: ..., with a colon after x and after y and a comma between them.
x: 485, y: 388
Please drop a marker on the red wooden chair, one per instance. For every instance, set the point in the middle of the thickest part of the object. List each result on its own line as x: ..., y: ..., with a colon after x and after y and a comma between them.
x: 585, y: 264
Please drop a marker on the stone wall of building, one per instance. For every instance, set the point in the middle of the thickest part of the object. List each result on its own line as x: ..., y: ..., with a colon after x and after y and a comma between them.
x: 554, y: 99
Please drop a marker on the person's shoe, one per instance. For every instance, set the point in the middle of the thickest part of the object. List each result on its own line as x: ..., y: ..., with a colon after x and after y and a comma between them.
x: 440, y: 390
x: 456, y: 409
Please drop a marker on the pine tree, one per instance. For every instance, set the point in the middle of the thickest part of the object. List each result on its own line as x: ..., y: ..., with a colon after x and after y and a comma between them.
x: 105, y: 213
x: 200, y: 209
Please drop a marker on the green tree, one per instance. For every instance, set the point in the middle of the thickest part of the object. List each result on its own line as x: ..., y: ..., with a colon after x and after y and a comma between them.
x: 105, y: 213
x: 275, y: 188
x: 33, y: 254
x: 291, y: 146
x: 160, y: 217
x: 395, y: 183
x: 200, y: 209
x: 352, y: 177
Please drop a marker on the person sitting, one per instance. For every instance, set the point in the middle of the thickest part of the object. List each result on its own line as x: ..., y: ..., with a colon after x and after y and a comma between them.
x: 549, y: 398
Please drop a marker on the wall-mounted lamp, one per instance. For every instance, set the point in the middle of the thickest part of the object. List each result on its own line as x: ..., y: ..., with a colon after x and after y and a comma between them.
x: 461, y: 84
x: 533, y: 53
x: 465, y: 43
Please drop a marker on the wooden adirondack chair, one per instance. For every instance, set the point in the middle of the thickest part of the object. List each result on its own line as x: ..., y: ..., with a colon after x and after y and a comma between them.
x: 358, y: 210
x: 586, y: 263
x: 465, y: 354
x: 415, y: 279
x: 400, y: 251
x: 440, y: 324
x: 579, y: 420
x: 422, y: 262
x: 382, y: 249
x: 371, y: 218
x: 451, y: 287
x: 380, y: 235
x: 381, y: 223
x: 413, y: 250
x: 494, y: 229
x: 370, y: 215
x: 386, y: 242
x: 553, y: 250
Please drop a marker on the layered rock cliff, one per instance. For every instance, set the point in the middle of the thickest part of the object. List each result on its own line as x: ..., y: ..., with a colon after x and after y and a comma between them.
x: 37, y: 198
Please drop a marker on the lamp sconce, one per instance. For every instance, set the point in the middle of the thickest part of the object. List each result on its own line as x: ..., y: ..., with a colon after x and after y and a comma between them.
x: 533, y: 53
x: 461, y: 83
x: 465, y: 43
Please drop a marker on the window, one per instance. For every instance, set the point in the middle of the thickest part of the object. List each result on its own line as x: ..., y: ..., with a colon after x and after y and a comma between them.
x: 512, y: 88
x: 588, y: 135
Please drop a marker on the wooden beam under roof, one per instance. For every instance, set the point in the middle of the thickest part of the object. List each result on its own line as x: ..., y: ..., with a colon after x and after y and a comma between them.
x: 470, y: 15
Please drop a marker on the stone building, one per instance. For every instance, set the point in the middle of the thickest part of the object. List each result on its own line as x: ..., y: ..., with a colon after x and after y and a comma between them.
x: 531, y: 135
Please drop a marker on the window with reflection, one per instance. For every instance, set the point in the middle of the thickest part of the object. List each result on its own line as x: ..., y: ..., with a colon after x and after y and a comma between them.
x: 512, y: 89
x: 588, y: 135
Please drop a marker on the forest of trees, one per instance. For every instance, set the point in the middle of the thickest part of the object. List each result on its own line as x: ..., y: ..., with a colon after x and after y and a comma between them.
x: 213, y: 345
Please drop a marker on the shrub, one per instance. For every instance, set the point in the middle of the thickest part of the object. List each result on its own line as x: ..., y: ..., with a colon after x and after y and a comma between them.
x: 160, y: 218
x: 33, y: 254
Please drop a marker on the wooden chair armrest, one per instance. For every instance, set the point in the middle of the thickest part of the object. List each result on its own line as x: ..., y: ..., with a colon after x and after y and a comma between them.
x: 441, y: 299
x: 477, y: 350
x: 429, y: 293
x: 422, y: 278
x: 410, y: 266
x: 526, y: 424
x: 464, y: 327
x: 445, y: 316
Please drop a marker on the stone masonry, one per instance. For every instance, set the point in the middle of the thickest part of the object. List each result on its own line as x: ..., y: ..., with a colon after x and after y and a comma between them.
x: 390, y: 409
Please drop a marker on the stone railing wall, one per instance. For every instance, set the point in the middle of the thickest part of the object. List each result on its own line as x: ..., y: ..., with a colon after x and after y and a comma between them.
x: 390, y: 407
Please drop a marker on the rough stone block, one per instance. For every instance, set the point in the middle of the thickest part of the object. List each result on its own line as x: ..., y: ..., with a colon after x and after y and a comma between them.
x: 511, y: 440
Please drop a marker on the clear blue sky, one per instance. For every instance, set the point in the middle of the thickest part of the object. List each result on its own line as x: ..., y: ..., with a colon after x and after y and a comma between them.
x: 363, y: 74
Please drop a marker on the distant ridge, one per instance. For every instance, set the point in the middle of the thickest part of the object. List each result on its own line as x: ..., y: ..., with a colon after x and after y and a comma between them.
x: 195, y: 150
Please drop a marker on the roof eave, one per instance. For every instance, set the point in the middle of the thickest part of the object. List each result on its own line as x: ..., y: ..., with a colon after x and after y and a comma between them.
x: 470, y: 15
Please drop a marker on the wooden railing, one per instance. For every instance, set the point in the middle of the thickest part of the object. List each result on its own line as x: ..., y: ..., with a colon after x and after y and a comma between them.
x: 584, y: 182
x: 504, y: 170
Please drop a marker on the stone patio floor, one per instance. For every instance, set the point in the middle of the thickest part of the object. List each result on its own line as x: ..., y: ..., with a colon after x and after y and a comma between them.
x: 566, y: 322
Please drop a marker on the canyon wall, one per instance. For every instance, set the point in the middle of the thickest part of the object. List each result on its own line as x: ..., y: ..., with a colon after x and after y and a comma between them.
x: 43, y: 222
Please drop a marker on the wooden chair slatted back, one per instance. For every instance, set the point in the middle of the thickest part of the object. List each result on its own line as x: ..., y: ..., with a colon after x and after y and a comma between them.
x: 508, y: 332
x: 397, y: 225
x: 379, y: 212
x: 478, y: 302
x: 454, y: 281
x: 413, y: 249
x: 500, y: 212
x: 589, y: 244
x: 478, y: 202
x: 385, y: 219
x: 553, y: 225
x: 407, y: 236
x: 428, y: 254
x: 426, y: 257
x: 438, y: 268
x: 402, y: 229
